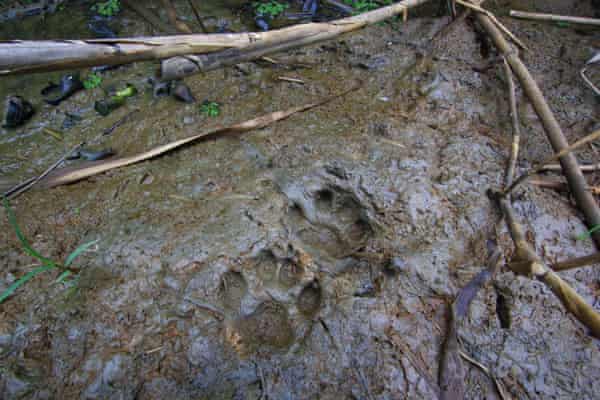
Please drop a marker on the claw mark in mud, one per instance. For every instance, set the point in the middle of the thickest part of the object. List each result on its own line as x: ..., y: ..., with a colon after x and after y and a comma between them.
x: 267, y: 326
x: 232, y: 289
x: 326, y: 216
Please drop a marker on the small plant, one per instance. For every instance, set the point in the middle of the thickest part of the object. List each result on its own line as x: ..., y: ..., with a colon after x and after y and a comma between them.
x: 210, y: 108
x: 269, y: 8
x: 587, y: 233
x: 107, y: 8
x: 361, y: 6
x: 92, y: 81
x: 46, y: 263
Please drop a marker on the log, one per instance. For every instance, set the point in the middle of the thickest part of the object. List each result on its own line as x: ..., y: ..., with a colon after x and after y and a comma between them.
x: 18, y: 56
x: 577, y: 183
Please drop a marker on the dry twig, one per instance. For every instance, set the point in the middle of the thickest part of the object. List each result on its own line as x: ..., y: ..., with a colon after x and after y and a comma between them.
x: 516, y: 133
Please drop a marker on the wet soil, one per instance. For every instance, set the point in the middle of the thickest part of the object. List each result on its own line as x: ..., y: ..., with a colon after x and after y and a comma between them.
x: 310, y: 259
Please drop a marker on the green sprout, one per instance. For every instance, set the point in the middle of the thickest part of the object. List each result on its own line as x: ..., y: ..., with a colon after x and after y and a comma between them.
x: 269, y: 8
x: 587, y: 233
x: 46, y: 263
x: 92, y: 81
x: 107, y: 8
x: 210, y: 108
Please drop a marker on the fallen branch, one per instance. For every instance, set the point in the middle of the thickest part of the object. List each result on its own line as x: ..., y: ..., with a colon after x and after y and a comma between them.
x: 73, y: 174
x: 554, y: 18
x: 584, y: 199
x: 528, y: 263
x: 18, y: 56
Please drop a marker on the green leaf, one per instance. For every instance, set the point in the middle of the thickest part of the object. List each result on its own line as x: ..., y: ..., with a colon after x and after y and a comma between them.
x: 28, y: 249
x: 78, y: 251
x: 11, y: 289
x: 92, y: 81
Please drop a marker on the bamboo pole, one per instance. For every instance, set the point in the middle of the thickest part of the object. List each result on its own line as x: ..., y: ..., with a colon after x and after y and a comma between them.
x: 17, y: 56
x: 577, y: 183
x: 554, y: 18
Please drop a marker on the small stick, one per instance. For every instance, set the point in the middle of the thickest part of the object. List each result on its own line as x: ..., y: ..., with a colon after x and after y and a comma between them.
x: 583, y: 168
x: 293, y: 80
x: 516, y: 133
x: 172, y: 14
x: 576, y: 262
x: 23, y: 187
x: 55, y: 134
x: 493, y: 18
x: 588, y: 81
x: 588, y: 138
x: 120, y: 122
x: 197, y: 15
x: 554, y: 18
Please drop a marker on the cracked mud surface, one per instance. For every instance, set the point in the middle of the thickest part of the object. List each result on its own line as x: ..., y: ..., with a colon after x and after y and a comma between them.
x: 312, y: 258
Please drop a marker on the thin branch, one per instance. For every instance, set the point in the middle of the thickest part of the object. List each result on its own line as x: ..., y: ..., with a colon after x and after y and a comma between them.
x: 554, y: 18
x: 28, y: 184
x: 583, y: 168
x: 197, y: 15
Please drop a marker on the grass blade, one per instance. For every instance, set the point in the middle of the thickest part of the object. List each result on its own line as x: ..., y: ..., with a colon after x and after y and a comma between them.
x: 11, y: 289
x: 78, y: 251
x: 63, y: 276
x: 28, y: 249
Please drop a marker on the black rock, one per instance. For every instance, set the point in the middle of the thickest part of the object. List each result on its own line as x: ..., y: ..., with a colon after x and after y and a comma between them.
x: 18, y: 111
x: 183, y: 93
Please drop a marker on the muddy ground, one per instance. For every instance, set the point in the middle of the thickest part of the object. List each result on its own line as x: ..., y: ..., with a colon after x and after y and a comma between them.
x: 310, y: 259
